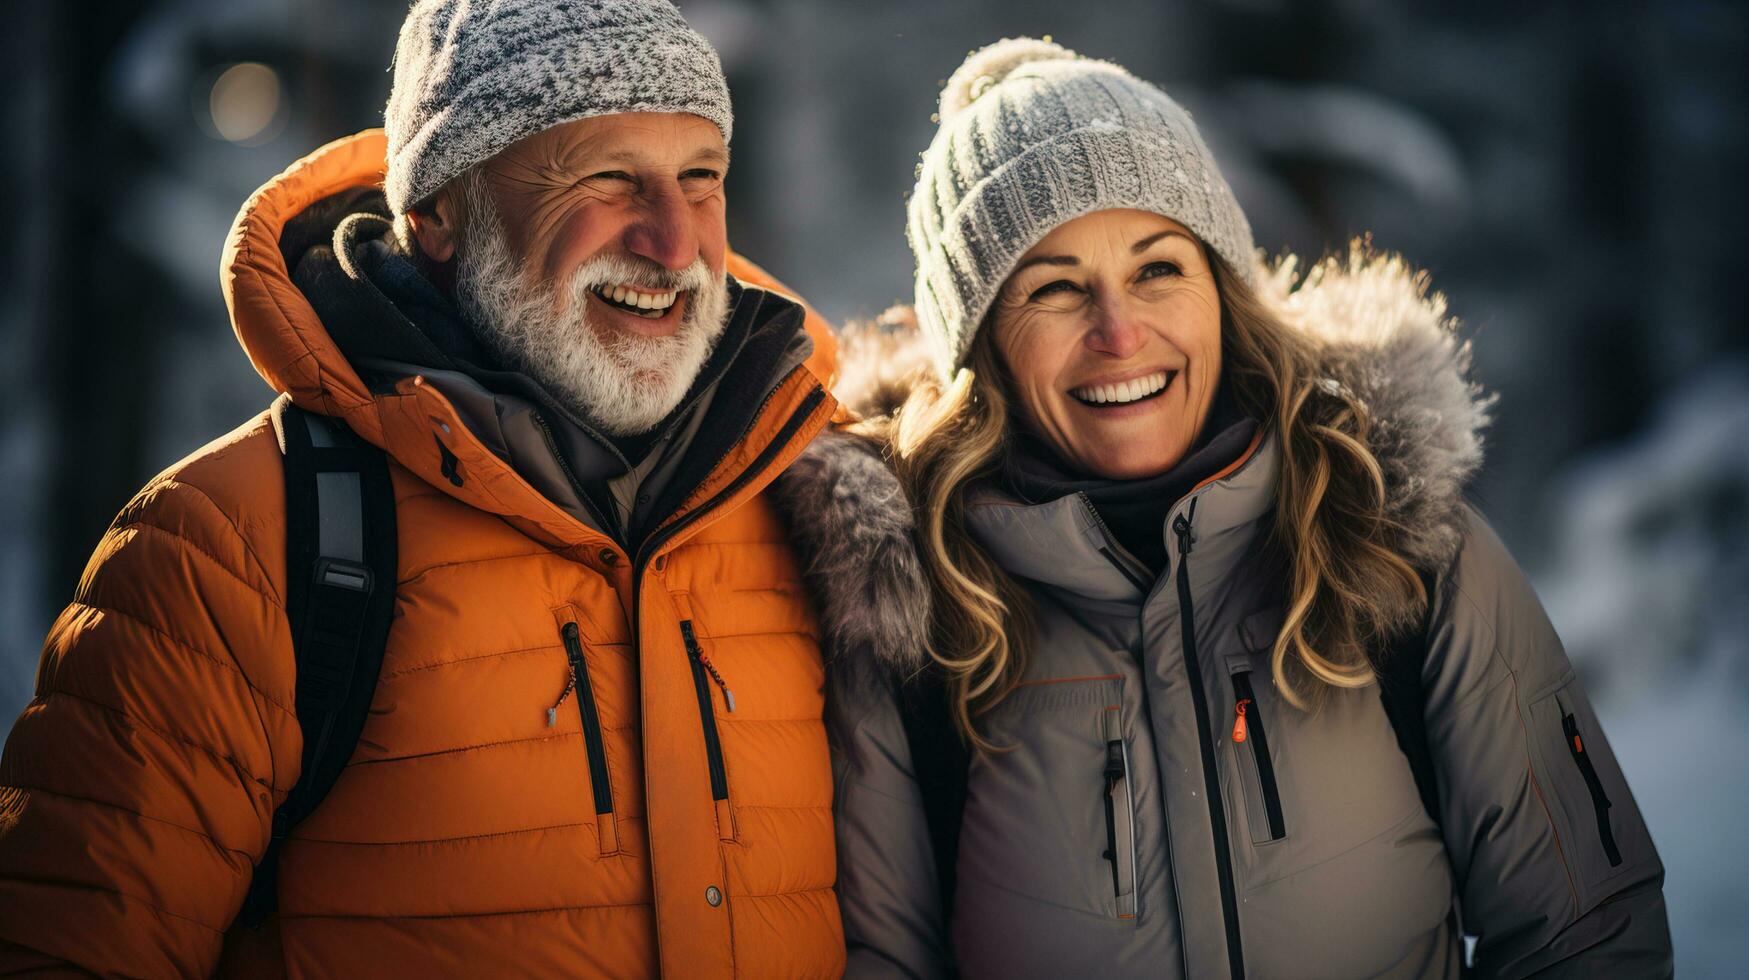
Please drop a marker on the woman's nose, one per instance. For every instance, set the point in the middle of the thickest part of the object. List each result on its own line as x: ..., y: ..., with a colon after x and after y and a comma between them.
x: 1113, y: 333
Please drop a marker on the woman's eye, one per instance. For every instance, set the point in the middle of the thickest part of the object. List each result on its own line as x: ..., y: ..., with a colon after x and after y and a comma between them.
x: 1154, y: 270
x: 1056, y: 287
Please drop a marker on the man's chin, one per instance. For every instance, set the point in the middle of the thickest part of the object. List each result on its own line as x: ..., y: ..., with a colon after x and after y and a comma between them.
x: 639, y: 406
x: 648, y: 379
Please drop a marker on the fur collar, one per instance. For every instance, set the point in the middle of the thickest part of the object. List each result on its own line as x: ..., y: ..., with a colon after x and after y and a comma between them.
x: 1385, y: 336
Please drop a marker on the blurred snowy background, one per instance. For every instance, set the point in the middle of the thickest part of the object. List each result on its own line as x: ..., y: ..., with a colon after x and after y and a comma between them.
x: 1572, y: 177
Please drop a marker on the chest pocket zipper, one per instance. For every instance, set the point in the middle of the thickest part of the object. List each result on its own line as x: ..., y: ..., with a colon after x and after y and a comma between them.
x: 1120, y: 816
x: 607, y: 830
x: 1251, y: 736
x: 703, y: 673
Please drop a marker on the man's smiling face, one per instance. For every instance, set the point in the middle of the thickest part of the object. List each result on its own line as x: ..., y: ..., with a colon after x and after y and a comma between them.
x: 646, y: 188
x: 591, y: 256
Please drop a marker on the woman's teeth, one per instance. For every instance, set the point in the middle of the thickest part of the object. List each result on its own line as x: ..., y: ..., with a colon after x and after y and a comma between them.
x: 1133, y: 390
x: 646, y: 304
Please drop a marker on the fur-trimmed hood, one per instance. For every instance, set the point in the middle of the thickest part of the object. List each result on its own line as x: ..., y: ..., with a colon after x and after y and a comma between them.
x: 1384, y: 334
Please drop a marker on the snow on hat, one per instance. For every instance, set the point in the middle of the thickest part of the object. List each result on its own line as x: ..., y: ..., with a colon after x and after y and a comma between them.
x: 1034, y: 135
x: 474, y: 76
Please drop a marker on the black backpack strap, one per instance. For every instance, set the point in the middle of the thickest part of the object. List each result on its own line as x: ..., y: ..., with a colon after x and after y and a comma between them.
x: 1404, y: 694
x: 340, y: 597
x: 939, y: 762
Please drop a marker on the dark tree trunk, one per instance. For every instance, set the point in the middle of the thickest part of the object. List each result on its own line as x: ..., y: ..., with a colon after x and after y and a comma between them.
x: 101, y: 302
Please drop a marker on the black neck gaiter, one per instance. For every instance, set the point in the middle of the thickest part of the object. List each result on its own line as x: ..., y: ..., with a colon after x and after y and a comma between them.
x: 1133, y: 510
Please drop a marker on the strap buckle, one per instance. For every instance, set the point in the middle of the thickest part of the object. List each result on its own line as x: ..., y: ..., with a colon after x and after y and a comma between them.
x: 338, y: 573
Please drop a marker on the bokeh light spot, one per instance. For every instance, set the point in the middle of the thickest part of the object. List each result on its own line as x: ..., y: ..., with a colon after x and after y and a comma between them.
x: 244, y: 101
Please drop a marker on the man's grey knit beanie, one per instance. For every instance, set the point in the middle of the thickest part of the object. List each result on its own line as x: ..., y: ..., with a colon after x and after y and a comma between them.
x: 1033, y: 135
x: 474, y: 76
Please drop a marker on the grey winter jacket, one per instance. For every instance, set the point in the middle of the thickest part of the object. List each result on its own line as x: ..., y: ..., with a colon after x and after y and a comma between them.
x: 1129, y: 832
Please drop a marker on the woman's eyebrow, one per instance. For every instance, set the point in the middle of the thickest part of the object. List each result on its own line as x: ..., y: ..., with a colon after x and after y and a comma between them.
x: 1045, y: 260
x: 1142, y: 246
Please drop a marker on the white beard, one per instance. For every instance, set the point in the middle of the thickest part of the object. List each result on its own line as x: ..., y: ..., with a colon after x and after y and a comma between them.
x: 624, y: 384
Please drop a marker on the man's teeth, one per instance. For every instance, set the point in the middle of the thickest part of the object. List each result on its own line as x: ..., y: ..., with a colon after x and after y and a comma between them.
x: 1123, y: 391
x: 626, y: 296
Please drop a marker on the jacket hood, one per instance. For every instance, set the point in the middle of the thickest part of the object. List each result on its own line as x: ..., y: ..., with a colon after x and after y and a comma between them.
x: 1383, y: 333
x: 282, y: 335
x: 285, y: 339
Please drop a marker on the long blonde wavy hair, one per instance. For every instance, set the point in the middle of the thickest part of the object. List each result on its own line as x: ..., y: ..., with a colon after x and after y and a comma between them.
x: 1346, y: 586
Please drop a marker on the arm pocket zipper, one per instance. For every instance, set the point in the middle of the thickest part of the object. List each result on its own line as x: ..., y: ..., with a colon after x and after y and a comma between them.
x: 1599, y: 799
x: 1120, y: 817
x: 1249, y: 731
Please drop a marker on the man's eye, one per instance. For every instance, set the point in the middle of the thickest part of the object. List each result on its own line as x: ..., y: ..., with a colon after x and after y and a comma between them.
x: 1054, y: 287
x: 606, y: 175
x: 1154, y: 270
x: 701, y: 175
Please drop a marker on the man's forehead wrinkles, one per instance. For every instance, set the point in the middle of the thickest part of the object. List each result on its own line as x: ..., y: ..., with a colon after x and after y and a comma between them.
x: 629, y: 153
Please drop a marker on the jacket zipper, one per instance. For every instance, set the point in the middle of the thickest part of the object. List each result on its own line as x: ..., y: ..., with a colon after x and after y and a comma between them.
x: 1120, y: 819
x: 597, y: 751
x: 655, y: 541
x: 653, y: 544
x: 713, y: 746
x: 606, y: 520
x: 814, y: 398
x: 1142, y: 585
x: 1248, y: 727
x: 1599, y: 799
x: 1181, y: 526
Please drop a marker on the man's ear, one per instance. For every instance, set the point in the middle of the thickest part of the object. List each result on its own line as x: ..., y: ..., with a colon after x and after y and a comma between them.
x: 436, y: 227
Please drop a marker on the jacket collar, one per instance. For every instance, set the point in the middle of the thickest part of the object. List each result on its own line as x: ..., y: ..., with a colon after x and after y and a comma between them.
x: 1064, y: 546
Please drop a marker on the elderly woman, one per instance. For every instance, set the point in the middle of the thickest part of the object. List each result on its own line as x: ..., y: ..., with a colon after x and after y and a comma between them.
x: 1220, y: 676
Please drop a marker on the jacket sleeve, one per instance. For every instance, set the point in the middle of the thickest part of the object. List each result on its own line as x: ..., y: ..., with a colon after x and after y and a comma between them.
x: 1556, y: 870
x: 887, y: 893
x: 137, y: 788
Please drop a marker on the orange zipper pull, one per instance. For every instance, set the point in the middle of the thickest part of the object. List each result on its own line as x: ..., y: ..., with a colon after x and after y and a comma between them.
x: 1239, y: 732
x: 710, y: 668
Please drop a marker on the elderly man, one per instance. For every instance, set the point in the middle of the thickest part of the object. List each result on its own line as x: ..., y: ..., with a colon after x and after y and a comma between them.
x: 593, y: 740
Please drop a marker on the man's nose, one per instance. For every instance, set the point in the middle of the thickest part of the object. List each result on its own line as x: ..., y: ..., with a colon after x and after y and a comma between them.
x: 1114, y: 332
x: 663, y: 231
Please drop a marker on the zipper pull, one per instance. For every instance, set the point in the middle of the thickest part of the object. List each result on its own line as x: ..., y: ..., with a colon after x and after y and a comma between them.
x: 1114, y: 768
x: 1240, y: 733
x: 553, y: 712
x: 728, y: 695
x: 1571, y: 724
x: 696, y: 652
x: 1181, y: 527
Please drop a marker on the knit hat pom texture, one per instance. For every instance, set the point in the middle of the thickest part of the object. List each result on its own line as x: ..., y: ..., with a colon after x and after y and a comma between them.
x: 984, y: 68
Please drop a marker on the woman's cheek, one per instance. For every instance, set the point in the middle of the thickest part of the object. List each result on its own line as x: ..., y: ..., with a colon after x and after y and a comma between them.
x: 1022, y: 352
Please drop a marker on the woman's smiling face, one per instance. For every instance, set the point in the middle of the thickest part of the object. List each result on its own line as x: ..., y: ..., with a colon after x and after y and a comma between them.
x: 1110, y: 328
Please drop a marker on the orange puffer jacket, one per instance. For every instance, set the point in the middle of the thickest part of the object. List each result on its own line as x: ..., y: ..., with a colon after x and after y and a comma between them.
x: 138, y: 787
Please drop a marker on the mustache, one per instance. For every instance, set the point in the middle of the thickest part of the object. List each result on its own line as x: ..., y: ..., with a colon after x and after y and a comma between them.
x: 631, y: 270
